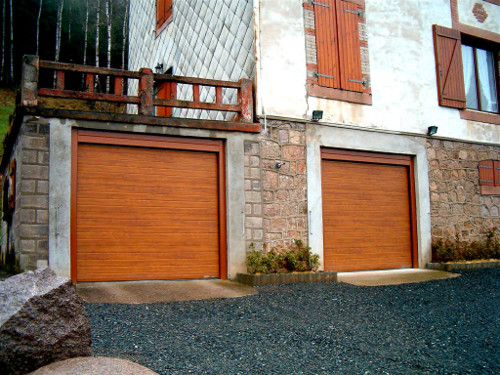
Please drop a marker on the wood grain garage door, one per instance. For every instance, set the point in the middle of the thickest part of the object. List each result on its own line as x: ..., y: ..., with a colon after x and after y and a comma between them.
x: 367, y: 211
x: 146, y: 212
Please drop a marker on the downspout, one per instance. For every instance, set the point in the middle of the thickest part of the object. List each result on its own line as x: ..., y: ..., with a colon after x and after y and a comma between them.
x: 261, y: 111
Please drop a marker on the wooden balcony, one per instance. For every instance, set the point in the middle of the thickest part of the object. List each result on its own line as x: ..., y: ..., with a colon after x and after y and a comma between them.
x: 47, y: 87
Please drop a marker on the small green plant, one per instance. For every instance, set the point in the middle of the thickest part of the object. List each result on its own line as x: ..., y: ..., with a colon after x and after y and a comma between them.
x: 296, y: 258
x: 455, y: 250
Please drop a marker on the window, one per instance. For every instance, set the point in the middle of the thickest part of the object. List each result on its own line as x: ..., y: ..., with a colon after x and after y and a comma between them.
x: 480, y: 79
x: 467, y: 73
x: 163, y: 13
x: 337, y: 50
x: 489, y: 176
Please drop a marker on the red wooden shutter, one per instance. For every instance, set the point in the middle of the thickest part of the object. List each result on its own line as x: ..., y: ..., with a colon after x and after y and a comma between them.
x: 160, y: 12
x: 348, y: 15
x: 166, y: 90
x: 496, y: 169
x: 163, y: 11
x: 449, y: 71
x: 326, y: 44
x: 168, y: 8
x: 486, y: 173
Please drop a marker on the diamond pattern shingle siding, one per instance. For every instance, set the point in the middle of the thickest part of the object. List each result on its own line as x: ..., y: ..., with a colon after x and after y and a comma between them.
x: 207, y: 39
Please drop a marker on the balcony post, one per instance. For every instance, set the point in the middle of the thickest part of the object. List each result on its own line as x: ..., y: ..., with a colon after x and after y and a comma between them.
x: 146, y: 86
x: 29, y: 81
x: 246, y: 100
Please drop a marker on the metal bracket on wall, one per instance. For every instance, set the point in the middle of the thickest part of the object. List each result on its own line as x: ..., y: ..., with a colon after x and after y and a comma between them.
x: 358, y: 12
x: 363, y: 81
x: 320, y: 4
x: 323, y: 75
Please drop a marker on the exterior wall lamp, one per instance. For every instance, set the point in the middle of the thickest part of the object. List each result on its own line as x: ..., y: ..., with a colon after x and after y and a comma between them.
x: 431, y: 130
x: 159, y: 68
x: 317, y: 115
x: 279, y: 164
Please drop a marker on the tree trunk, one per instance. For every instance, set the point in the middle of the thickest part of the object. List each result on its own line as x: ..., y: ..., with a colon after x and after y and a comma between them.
x: 38, y: 28
x: 4, y: 43
x: 60, y: 9
x: 97, y: 23
x: 109, y: 11
x: 86, y: 34
x: 11, y: 70
x: 125, y: 32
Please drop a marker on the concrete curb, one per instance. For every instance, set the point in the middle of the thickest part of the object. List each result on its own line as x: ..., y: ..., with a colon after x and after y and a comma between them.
x: 462, y: 266
x: 285, y: 278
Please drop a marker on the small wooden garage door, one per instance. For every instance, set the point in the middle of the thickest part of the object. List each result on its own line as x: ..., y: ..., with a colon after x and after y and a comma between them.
x: 368, y: 211
x: 147, y: 208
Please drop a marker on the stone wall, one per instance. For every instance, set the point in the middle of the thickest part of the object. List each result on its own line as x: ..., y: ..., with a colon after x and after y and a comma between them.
x: 276, y: 198
x: 30, y: 224
x: 457, y: 206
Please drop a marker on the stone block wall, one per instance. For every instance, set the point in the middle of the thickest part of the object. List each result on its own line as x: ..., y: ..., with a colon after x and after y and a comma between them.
x: 457, y: 207
x: 276, y: 198
x: 30, y: 225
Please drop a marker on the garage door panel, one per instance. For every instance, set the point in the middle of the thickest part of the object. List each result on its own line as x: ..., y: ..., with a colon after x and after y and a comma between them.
x: 146, y: 213
x: 129, y: 154
x: 366, y: 215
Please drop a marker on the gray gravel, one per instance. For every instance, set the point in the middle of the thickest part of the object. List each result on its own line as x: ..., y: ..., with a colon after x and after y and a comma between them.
x: 438, y: 327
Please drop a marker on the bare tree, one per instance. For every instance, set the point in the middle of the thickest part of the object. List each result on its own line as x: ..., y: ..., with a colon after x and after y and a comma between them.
x: 4, y: 43
x: 125, y: 32
x: 60, y: 8
x: 97, y: 24
x: 38, y: 27
x: 11, y: 70
x: 109, y: 16
x: 86, y: 34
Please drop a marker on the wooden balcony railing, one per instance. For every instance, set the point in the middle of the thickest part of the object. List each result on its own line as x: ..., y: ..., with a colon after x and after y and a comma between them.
x: 91, y: 80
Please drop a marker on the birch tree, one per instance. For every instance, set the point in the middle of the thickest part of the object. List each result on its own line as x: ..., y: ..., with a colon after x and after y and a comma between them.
x: 60, y: 8
x: 125, y: 32
x: 97, y: 24
x: 4, y: 43
x: 86, y: 33
x: 38, y: 28
x: 11, y: 41
x: 109, y: 12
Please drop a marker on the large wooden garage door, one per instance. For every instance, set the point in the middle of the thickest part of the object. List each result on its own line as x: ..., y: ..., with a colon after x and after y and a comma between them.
x: 147, y: 208
x: 368, y: 211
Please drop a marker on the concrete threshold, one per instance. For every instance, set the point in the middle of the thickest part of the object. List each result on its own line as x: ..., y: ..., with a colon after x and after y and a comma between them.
x: 137, y: 292
x: 393, y: 277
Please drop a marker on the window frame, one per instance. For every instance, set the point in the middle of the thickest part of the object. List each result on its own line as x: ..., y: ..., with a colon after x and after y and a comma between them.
x: 476, y: 43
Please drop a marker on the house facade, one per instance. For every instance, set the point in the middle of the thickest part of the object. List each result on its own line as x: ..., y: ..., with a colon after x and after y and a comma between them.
x: 375, y: 129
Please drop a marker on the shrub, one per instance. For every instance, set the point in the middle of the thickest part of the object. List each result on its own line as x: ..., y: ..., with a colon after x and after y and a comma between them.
x: 456, y: 250
x: 297, y: 258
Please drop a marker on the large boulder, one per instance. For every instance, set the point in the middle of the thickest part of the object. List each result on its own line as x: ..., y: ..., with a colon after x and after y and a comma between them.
x: 42, y: 320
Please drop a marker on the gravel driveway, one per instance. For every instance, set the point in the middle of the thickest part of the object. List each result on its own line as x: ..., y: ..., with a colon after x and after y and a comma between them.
x: 438, y: 327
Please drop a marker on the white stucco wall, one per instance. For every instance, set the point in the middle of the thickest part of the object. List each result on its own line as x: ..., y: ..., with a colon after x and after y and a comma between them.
x: 402, y: 70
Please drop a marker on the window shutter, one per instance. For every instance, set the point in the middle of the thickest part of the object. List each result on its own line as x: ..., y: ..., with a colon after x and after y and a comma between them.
x: 496, y: 169
x: 160, y: 12
x: 348, y: 15
x: 163, y: 11
x: 449, y: 71
x: 326, y: 43
x: 486, y: 173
